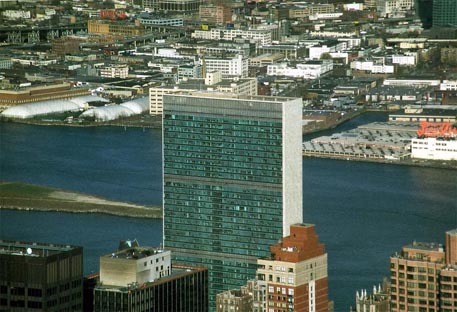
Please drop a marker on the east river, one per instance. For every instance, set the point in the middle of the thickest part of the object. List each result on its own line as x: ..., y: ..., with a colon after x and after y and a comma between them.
x: 363, y: 212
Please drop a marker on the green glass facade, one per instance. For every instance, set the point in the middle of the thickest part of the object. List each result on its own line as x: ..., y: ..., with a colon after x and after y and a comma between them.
x: 223, y: 185
x: 444, y: 13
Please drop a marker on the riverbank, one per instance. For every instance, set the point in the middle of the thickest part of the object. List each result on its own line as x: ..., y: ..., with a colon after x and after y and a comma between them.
x: 425, y: 163
x: 22, y: 196
x: 137, y: 121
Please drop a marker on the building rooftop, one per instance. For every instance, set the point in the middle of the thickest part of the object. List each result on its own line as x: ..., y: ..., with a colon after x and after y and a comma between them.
x: 32, y: 249
x: 425, y: 246
x: 135, y: 253
x: 177, y: 271
x: 232, y: 96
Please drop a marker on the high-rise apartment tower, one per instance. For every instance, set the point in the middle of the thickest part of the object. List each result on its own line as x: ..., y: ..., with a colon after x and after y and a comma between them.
x: 232, y: 180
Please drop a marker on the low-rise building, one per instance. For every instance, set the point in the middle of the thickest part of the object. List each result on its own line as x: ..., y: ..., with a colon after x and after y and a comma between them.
x: 115, y: 71
x: 265, y: 59
x: 434, y: 148
x: 308, y: 70
x: 115, y: 28
x: 260, y: 36
x: 38, y: 93
x: 228, y: 66
x: 373, y: 66
x: 290, y: 51
x: 213, y: 81
x: 215, y: 14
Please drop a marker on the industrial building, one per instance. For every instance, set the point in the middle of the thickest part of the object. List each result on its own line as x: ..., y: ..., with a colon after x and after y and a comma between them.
x: 232, y: 181
x: 40, y: 93
x: 40, y: 277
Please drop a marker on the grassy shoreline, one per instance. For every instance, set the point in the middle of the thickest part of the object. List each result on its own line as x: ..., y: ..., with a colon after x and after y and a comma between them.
x: 21, y: 196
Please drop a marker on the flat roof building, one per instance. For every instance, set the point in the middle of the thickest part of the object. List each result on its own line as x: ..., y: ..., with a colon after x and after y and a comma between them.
x: 40, y: 277
x: 232, y: 180
x: 140, y: 279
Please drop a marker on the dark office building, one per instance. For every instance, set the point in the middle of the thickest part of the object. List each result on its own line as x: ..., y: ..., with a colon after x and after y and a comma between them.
x: 424, y: 10
x: 444, y: 13
x: 40, y: 277
x: 185, y: 289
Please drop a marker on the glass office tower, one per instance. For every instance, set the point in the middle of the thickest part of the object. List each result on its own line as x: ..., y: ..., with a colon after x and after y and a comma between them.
x: 232, y: 180
x: 444, y: 13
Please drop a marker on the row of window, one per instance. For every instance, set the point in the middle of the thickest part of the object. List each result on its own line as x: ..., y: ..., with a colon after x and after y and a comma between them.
x: 245, y: 176
x: 217, y: 165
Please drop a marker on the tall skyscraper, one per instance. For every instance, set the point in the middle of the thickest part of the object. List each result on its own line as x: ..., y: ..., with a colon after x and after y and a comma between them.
x: 232, y: 180
x: 444, y: 13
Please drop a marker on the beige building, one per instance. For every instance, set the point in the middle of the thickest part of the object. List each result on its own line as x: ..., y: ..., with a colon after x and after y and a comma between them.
x: 233, y: 300
x: 114, y: 28
x: 212, y: 82
x: 115, y: 71
x: 266, y: 59
x: 424, y: 277
x: 215, y: 14
x: 414, y: 274
x: 296, y: 12
x: 134, y: 265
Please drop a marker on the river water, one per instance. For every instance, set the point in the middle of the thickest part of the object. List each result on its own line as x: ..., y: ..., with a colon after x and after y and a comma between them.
x: 363, y: 212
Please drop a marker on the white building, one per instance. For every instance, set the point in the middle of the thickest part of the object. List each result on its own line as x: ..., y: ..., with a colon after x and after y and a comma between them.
x: 353, y: 6
x: 261, y: 36
x: 229, y: 67
x: 411, y: 82
x: 325, y: 16
x: 407, y: 59
x: 373, y: 67
x: 432, y: 148
x: 448, y: 85
x: 315, y: 52
x: 394, y: 7
x: 115, y: 71
x: 16, y: 14
x: 308, y: 70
